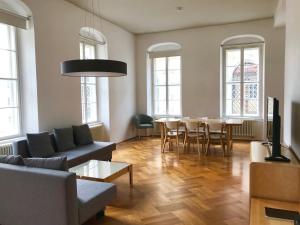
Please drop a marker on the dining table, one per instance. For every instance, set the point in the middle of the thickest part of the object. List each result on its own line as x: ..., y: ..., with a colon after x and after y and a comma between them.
x: 228, y: 123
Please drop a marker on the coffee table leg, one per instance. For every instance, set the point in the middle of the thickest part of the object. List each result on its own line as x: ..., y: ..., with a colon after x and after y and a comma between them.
x: 130, y: 176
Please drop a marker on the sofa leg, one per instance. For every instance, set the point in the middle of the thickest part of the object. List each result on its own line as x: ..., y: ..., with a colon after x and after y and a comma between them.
x: 100, y: 214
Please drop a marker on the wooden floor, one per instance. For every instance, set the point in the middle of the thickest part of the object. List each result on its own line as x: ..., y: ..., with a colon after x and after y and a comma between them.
x: 212, y: 191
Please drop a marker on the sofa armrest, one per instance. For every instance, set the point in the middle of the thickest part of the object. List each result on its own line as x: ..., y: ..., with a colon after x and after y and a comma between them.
x: 33, y: 196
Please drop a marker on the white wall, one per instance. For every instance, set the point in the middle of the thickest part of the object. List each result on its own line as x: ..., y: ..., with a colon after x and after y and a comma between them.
x: 201, y: 64
x: 57, y: 24
x: 292, y: 76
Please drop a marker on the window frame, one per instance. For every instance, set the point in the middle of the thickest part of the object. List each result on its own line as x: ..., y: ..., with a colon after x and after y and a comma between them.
x: 84, y: 41
x: 167, y: 85
x: 224, y: 48
x: 18, y: 86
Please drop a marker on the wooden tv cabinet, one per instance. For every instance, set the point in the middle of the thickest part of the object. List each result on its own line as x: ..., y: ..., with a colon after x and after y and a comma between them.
x: 272, y: 184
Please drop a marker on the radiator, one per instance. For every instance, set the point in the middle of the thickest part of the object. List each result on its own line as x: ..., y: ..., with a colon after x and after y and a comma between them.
x: 246, y: 131
x: 6, y: 149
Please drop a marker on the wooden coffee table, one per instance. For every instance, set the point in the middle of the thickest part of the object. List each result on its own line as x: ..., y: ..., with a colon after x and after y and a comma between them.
x: 102, y: 171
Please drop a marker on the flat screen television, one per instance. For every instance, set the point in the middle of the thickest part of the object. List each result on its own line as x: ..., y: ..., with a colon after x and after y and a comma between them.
x: 273, y: 130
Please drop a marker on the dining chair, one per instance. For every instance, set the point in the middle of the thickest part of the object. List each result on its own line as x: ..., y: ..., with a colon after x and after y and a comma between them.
x: 143, y: 122
x: 172, y: 133
x: 194, y: 133
x: 216, y: 135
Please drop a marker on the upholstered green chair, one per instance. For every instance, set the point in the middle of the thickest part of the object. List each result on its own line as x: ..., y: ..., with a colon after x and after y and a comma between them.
x: 143, y: 122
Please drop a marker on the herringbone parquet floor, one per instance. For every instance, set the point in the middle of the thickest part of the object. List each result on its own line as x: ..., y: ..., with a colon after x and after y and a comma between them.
x: 210, y: 191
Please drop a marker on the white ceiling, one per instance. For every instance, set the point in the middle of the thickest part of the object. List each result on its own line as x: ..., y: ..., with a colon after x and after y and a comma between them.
x: 146, y: 16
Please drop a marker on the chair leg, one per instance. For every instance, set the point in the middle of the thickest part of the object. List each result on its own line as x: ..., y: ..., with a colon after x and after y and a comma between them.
x: 184, y: 143
x: 177, y: 145
x: 208, y: 147
x: 164, y: 144
x: 198, y: 147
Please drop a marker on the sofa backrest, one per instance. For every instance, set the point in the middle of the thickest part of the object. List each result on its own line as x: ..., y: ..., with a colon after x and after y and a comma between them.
x: 33, y: 196
x: 20, y: 147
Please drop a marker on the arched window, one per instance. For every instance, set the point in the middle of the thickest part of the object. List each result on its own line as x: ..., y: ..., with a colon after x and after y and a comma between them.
x: 242, y: 76
x: 165, y: 62
x: 92, y: 46
x: 13, y: 17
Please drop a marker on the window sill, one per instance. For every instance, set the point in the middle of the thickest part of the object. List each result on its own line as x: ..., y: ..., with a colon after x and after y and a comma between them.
x: 96, y: 124
x: 11, y: 140
x: 259, y: 119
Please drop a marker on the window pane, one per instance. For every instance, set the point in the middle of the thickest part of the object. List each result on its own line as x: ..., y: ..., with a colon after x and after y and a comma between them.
x: 233, y: 74
x: 81, y: 50
x: 233, y: 91
x: 251, y: 90
x: 9, y: 93
x: 9, y: 120
x: 90, y: 80
x: 174, y: 108
x: 250, y: 107
x: 83, y: 113
x: 174, y: 93
x: 251, y: 72
x: 160, y: 93
x: 251, y: 99
x: 233, y: 57
x: 251, y: 55
x: 174, y: 77
x: 91, y: 96
x: 7, y: 37
x: 91, y: 112
x: 160, y: 107
x: 89, y: 51
x: 82, y: 93
x: 8, y: 64
x: 160, y: 77
x: 174, y: 63
x: 160, y: 63
x: 233, y: 107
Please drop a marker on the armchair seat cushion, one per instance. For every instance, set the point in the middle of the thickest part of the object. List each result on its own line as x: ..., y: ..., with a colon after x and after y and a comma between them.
x: 81, y: 154
x: 93, y: 197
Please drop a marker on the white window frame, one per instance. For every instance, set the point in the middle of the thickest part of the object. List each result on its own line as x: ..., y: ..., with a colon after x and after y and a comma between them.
x: 260, y: 46
x: 18, y: 82
x: 84, y: 41
x: 167, y: 86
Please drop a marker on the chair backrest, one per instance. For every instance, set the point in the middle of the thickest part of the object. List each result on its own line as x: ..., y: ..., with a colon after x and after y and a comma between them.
x: 143, y: 119
x: 172, y: 125
x: 32, y: 196
x: 215, y: 125
x: 192, y: 125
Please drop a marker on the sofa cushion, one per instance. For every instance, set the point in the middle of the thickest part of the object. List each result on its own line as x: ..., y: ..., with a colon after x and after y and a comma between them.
x: 55, y: 163
x: 40, y: 145
x: 93, y: 197
x: 64, y: 139
x: 81, y: 154
x: 82, y: 135
x: 12, y: 159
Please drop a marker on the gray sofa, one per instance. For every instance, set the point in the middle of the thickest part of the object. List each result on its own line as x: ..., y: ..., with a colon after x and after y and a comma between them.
x: 33, y: 196
x: 76, y: 156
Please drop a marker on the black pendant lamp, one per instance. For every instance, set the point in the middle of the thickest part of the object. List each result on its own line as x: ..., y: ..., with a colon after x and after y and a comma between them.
x: 93, y: 67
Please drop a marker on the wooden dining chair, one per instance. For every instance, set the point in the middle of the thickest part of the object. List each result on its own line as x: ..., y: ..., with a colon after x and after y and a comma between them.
x: 195, y: 133
x: 216, y: 135
x: 172, y: 133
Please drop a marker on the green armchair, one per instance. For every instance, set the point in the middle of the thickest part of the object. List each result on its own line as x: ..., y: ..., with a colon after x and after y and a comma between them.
x: 143, y: 121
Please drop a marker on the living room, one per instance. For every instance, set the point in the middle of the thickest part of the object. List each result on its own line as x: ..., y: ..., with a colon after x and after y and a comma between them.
x: 136, y: 142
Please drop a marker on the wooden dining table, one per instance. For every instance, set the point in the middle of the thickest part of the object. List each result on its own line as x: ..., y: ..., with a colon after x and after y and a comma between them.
x: 228, y: 123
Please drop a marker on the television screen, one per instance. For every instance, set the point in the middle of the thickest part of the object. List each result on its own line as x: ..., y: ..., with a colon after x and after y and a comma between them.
x: 270, y: 108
